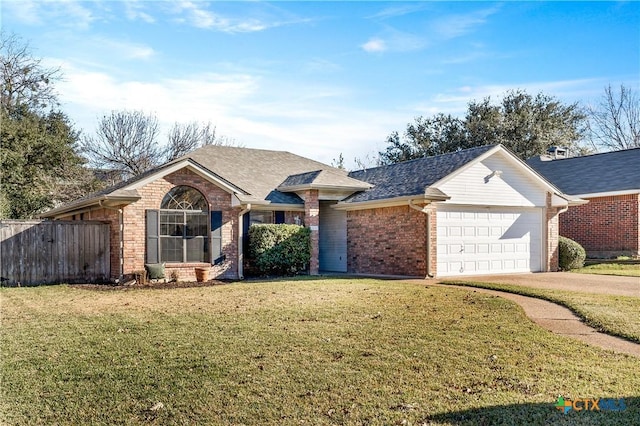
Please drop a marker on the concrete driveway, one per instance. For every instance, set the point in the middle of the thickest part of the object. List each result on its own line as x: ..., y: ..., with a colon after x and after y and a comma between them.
x: 585, y: 283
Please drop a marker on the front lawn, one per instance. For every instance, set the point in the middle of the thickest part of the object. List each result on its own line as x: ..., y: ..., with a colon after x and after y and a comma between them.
x: 623, y: 269
x: 315, y: 352
x: 615, y: 315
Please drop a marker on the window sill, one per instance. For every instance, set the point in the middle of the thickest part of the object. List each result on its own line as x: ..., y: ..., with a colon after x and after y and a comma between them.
x: 187, y: 265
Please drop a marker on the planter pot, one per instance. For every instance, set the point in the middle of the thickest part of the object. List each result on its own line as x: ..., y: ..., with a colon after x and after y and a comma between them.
x: 202, y: 274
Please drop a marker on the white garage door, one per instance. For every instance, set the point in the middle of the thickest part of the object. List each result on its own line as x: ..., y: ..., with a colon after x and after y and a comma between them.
x: 474, y: 241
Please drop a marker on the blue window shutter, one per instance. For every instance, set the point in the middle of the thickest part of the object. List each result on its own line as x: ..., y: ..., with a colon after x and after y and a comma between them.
x: 246, y: 224
x: 153, y: 240
x: 279, y: 217
x: 216, y: 237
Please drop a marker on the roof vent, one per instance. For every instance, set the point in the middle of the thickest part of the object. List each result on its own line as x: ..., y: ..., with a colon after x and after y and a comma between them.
x: 556, y: 152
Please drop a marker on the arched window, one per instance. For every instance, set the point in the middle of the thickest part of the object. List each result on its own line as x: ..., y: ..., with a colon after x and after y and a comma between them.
x: 183, y: 226
x: 184, y: 198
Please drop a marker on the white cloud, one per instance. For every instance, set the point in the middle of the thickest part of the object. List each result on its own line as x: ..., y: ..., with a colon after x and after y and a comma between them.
x: 76, y: 14
x: 457, y: 25
x: 322, y: 65
x: 374, y: 45
x: 192, y: 13
x: 135, y: 10
x: 399, y: 41
x: 456, y: 101
x: 196, y: 97
x: 394, y: 40
x: 25, y: 11
x: 126, y: 50
x: 467, y: 57
x: 316, y: 123
x: 67, y: 13
x: 397, y: 11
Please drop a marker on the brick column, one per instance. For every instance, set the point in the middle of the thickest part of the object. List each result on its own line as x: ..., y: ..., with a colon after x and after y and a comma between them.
x: 312, y: 221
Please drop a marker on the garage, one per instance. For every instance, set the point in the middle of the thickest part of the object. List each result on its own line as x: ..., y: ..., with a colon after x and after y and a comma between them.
x: 478, y: 211
x: 488, y: 240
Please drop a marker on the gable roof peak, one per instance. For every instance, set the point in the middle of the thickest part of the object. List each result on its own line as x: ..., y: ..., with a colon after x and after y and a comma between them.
x: 409, y: 178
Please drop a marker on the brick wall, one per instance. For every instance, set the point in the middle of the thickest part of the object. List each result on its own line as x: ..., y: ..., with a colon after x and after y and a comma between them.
x: 294, y: 218
x: 606, y: 226
x: 388, y: 241
x: 152, y: 195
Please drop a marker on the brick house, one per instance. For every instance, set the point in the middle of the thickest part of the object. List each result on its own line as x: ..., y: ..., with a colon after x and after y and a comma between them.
x: 609, y: 225
x: 476, y: 211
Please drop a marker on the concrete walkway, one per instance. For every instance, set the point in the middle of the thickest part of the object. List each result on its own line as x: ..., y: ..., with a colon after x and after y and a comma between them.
x: 560, y: 320
x: 568, y: 281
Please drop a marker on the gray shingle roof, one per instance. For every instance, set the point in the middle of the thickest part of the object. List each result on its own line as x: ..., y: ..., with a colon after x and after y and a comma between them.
x: 411, y: 177
x: 259, y: 172
x: 604, y: 172
x: 323, y: 178
x: 255, y: 173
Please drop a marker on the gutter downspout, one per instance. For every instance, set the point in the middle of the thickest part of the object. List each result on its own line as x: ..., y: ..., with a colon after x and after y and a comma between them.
x: 428, y: 213
x: 240, y: 239
x: 121, y: 237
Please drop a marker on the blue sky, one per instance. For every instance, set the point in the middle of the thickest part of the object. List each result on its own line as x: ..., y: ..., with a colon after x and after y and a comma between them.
x: 322, y: 78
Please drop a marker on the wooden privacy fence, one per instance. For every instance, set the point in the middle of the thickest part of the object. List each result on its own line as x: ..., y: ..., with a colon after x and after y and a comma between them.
x: 45, y: 252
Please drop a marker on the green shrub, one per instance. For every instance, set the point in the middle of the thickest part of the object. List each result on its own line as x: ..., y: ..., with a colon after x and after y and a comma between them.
x: 279, y: 249
x: 572, y: 254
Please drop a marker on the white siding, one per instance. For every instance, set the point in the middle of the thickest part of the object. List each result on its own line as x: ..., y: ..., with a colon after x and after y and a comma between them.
x: 332, y: 238
x: 514, y: 187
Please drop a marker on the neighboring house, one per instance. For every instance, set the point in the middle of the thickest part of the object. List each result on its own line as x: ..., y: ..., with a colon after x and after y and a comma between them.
x: 476, y: 211
x: 609, y: 225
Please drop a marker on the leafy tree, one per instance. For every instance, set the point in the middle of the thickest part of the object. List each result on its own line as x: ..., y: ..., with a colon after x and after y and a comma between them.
x: 426, y: 137
x: 39, y: 166
x: 525, y: 124
x: 614, y: 123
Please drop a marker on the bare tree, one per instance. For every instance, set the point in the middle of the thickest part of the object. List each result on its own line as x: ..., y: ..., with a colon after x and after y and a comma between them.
x: 614, y: 123
x: 338, y: 162
x: 125, y: 141
x: 368, y: 161
x: 183, y: 138
x: 24, y: 80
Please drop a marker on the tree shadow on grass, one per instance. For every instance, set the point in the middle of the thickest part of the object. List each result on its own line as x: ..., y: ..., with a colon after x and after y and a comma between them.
x: 545, y: 414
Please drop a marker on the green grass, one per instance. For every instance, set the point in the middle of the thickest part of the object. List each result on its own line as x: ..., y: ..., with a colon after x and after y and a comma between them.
x: 615, y: 315
x: 623, y: 269
x: 354, y: 352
